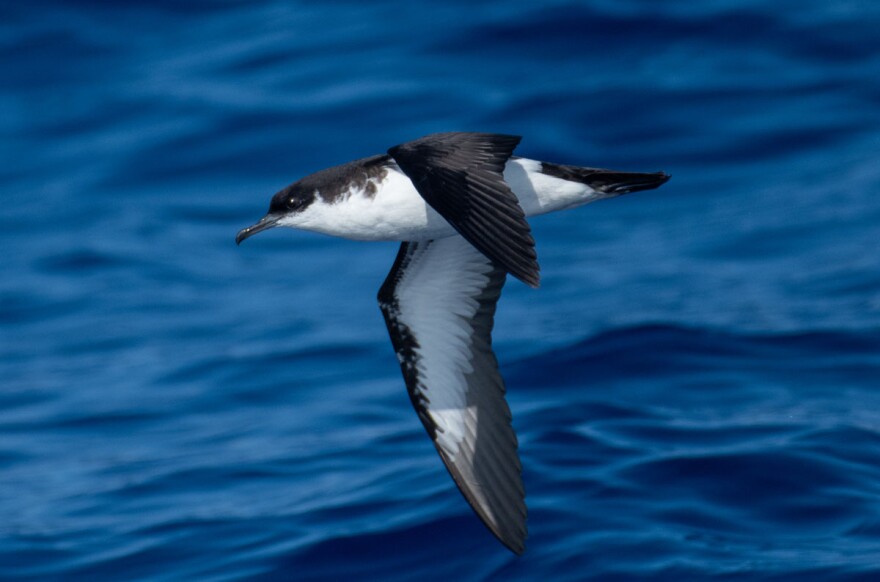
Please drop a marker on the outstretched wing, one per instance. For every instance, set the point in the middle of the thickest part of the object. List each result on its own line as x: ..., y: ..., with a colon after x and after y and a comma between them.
x: 439, y: 305
x: 461, y: 176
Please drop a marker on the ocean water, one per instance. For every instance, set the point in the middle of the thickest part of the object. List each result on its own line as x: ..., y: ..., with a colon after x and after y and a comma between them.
x: 696, y: 386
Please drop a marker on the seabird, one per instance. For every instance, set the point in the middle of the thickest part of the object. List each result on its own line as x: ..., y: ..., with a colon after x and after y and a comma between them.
x: 458, y: 203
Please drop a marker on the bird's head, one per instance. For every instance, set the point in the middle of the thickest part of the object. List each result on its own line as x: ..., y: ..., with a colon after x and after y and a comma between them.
x: 287, y: 208
x: 312, y: 203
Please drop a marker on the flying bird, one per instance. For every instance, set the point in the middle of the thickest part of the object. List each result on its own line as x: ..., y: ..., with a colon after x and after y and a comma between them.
x: 458, y: 202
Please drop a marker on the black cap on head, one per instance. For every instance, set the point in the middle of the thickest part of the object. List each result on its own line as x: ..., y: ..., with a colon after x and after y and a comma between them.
x: 294, y: 198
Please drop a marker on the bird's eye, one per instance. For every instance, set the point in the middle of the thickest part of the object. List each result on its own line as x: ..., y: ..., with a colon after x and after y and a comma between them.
x: 293, y: 203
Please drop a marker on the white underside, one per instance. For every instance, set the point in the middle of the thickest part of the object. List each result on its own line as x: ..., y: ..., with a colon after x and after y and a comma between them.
x: 398, y: 213
x: 437, y: 301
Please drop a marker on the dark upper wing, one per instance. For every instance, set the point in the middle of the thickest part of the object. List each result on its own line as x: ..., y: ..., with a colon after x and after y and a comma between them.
x: 461, y: 176
x: 439, y: 304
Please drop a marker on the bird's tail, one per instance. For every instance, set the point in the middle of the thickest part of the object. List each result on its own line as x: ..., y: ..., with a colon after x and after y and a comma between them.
x: 609, y: 182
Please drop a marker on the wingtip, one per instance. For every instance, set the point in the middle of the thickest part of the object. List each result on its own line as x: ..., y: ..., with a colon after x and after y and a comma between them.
x: 511, y: 534
x: 512, y: 538
x: 531, y: 276
x: 518, y: 546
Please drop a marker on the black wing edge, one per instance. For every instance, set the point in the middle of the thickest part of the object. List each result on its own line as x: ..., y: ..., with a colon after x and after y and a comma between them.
x: 402, y: 339
x: 461, y: 176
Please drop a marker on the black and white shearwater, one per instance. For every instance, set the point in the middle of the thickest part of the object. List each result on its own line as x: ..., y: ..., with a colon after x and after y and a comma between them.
x: 458, y: 203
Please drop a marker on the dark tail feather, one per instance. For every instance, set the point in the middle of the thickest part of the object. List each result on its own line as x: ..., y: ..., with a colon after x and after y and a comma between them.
x: 607, y: 181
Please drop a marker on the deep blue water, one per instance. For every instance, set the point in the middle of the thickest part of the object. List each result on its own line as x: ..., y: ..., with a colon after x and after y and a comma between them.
x: 696, y: 386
